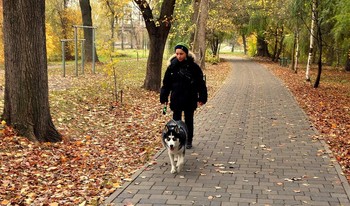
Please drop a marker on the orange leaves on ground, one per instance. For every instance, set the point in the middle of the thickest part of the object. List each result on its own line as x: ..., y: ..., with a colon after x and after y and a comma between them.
x: 89, y: 164
x: 104, y: 143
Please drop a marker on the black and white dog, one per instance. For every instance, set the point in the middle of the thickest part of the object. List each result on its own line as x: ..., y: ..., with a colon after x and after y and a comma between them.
x: 174, y: 140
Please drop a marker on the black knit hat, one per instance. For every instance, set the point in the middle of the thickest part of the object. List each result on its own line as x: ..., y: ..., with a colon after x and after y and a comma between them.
x: 182, y: 46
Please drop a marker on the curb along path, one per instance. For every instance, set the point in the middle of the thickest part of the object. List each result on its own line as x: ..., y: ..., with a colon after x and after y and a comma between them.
x: 253, y: 145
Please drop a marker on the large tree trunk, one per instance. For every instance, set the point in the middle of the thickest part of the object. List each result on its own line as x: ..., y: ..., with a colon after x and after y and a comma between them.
x: 158, y: 31
x: 262, y: 47
x: 199, y: 45
x: 154, y: 63
x: 26, y: 105
x: 311, y: 48
x: 87, y: 21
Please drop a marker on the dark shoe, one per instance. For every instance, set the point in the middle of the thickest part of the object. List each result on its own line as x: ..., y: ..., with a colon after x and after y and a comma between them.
x: 188, y: 146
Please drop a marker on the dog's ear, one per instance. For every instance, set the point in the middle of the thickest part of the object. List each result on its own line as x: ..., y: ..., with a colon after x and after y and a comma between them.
x: 166, y: 129
x: 177, y: 129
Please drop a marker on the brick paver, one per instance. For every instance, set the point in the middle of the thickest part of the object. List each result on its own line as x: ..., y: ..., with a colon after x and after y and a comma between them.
x: 253, y: 145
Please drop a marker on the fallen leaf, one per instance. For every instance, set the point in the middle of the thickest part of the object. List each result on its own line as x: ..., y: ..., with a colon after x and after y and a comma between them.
x: 5, y: 202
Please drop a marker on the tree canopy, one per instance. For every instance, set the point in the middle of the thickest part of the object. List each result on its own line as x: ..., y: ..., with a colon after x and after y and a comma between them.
x: 272, y: 23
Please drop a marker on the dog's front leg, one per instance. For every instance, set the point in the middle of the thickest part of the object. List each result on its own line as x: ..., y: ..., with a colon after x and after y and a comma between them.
x: 172, y: 162
x: 180, y: 162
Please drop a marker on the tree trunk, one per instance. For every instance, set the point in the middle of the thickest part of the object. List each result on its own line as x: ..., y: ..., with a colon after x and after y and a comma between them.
x: 214, y: 43
x: 158, y: 31
x: 87, y: 21
x: 199, y: 46
x: 275, y: 55
x: 194, y: 20
x: 122, y: 33
x: 311, y: 48
x: 296, y: 51
x: 244, y: 39
x: 26, y: 106
x: 64, y: 27
x: 280, y: 43
x: 112, y: 21
x: 347, y: 64
x: 319, y: 43
x: 154, y: 64
x: 262, y: 47
x: 319, y: 71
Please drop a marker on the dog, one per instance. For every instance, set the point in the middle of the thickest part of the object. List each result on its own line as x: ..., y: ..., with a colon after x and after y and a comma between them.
x: 174, y: 140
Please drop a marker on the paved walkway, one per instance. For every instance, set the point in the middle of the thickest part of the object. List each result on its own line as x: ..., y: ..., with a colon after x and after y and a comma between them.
x: 253, y: 145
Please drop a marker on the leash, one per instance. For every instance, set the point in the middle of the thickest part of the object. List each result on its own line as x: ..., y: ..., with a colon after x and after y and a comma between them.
x: 165, y: 108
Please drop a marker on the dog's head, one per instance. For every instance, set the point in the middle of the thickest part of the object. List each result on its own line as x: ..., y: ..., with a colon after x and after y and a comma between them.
x: 174, y: 137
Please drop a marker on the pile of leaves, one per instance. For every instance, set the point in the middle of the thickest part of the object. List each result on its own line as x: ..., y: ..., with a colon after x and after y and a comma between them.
x: 104, y: 141
x: 327, y: 106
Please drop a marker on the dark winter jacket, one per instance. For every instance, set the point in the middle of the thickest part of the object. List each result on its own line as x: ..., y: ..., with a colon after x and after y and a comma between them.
x: 185, y: 83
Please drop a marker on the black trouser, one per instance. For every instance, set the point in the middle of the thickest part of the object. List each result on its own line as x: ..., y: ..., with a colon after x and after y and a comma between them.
x: 177, y: 115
